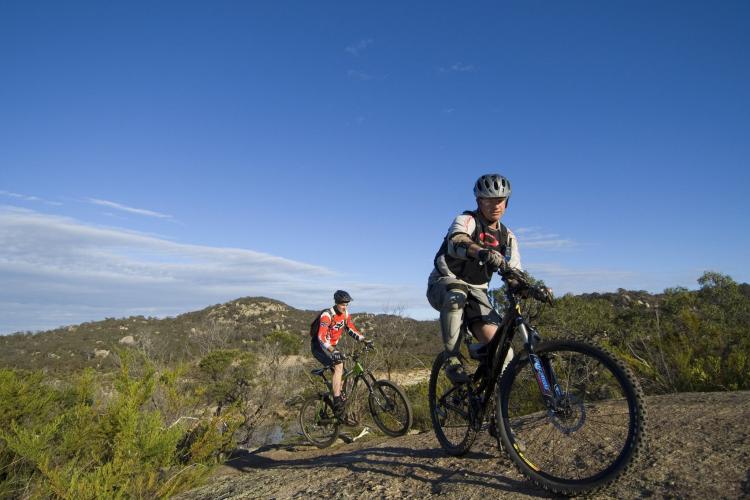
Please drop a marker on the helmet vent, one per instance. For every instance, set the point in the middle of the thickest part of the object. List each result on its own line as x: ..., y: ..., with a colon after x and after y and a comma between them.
x: 492, y: 186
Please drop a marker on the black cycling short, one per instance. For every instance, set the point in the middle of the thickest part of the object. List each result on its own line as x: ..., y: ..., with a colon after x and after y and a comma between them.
x: 322, y: 355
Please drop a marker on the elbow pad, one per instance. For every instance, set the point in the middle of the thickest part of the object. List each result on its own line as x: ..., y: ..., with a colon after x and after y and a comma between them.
x: 458, y: 246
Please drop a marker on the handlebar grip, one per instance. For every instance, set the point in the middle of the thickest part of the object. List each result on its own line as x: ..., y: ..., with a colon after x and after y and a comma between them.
x: 543, y: 295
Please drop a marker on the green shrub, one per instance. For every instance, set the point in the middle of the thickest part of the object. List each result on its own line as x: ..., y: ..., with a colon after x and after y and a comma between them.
x: 420, y: 405
x: 77, y: 442
x: 680, y: 340
x: 284, y: 342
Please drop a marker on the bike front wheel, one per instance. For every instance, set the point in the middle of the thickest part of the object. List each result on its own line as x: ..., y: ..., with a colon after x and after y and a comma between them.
x: 390, y: 408
x: 318, y: 421
x: 589, y: 435
x: 450, y: 411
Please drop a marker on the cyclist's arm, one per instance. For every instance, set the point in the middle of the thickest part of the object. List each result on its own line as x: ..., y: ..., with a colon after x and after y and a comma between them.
x: 463, y: 247
x: 459, y: 238
x: 352, y: 330
x: 515, y: 254
x: 324, y: 333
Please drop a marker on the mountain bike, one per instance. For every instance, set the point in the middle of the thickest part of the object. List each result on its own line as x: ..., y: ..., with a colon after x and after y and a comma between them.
x: 388, y: 405
x: 568, y: 413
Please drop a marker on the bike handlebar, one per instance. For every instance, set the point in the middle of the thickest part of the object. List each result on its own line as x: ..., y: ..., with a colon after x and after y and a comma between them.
x: 355, y: 355
x: 519, y: 282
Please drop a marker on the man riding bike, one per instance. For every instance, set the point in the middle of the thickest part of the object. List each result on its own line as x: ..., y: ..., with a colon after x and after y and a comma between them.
x: 333, y: 322
x: 477, y: 245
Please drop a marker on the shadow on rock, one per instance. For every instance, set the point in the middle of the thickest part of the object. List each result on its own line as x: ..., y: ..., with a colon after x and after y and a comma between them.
x: 397, y: 463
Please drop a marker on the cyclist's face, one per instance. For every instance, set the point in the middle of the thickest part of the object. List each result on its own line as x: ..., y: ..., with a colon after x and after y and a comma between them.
x: 492, y: 208
x: 342, y: 306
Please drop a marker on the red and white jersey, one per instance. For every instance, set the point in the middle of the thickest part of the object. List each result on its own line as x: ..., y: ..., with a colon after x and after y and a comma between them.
x: 332, y: 325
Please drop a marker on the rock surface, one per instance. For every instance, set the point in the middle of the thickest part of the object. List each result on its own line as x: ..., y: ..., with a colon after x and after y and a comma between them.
x: 127, y: 340
x: 698, y: 446
x: 101, y: 353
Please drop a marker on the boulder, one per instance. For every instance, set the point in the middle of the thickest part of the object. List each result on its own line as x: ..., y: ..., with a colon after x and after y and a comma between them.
x: 127, y: 340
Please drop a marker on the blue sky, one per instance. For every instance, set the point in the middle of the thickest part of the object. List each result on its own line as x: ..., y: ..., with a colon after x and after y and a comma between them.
x: 159, y: 157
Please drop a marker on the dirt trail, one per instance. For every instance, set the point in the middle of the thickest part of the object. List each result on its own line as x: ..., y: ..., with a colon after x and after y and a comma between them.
x: 698, y: 447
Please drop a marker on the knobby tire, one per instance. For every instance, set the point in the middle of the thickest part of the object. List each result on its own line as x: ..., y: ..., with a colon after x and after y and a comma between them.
x: 390, y: 408
x: 601, y: 426
x: 449, y: 411
x: 318, y: 422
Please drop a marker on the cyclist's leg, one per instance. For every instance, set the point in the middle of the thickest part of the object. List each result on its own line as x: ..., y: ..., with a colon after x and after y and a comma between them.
x: 448, y: 296
x: 324, y: 357
x: 338, y: 372
x: 483, y: 319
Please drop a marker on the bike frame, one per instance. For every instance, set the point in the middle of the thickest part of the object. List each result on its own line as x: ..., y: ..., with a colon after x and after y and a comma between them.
x: 350, y: 379
x: 514, y: 323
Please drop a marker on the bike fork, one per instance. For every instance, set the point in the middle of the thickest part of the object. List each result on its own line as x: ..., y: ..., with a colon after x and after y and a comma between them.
x: 542, y: 368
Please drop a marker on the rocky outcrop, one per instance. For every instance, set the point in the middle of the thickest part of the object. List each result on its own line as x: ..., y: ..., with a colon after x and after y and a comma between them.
x: 698, y: 447
x: 233, y: 312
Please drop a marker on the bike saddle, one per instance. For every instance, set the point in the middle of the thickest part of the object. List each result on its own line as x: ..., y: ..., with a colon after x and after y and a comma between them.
x: 318, y: 371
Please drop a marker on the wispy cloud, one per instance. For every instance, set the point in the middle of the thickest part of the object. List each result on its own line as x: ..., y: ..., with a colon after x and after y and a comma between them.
x: 355, y: 48
x: 125, y: 208
x: 530, y: 237
x: 457, y: 68
x: 25, y: 197
x: 583, y: 279
x: 564, y: 279
x: 359, y: 75
x: 50, y: 264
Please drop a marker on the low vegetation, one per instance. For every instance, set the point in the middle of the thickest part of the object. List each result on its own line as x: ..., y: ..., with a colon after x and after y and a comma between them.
x: 141, y: 407
x: 677, y: 341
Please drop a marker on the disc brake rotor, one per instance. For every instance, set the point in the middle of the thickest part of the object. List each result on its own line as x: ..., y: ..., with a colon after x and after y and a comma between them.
x: 568, y: 415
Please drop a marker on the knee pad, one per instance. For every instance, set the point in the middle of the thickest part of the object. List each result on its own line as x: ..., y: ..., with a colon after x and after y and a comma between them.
x: 455, y: 300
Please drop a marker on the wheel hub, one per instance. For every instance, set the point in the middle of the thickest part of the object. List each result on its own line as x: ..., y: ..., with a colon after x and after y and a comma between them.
x: 568, y: 414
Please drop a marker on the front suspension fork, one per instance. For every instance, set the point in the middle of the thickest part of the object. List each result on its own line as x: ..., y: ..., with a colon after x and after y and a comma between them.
x: 541, y: 366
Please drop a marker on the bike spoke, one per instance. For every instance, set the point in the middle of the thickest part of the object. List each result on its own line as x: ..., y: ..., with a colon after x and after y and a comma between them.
x: 586, y: 431
x: 390, y: 409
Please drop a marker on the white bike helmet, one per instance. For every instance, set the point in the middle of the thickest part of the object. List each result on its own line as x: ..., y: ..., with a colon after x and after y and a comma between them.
x: 492, y: 186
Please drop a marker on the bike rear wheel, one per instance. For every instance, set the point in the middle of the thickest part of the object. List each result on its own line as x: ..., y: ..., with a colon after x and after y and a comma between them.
x: 318, y: 422
x: 449, y: 411
x: 593, y: 432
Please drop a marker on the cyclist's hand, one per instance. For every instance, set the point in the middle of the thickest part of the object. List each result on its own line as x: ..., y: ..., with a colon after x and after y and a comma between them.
x: 543, y: 294
x: 337, y: 356
x: 515, y: 278
x: 493, y: 259
x: 369, y: 344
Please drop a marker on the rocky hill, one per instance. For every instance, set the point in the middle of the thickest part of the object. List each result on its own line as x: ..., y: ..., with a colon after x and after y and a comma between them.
x: 241, y: 323
x: 698, y: 447
x: 236, y: 324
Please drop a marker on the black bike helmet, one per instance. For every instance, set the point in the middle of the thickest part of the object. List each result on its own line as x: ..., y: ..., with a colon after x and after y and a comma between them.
x: 341, y: 296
